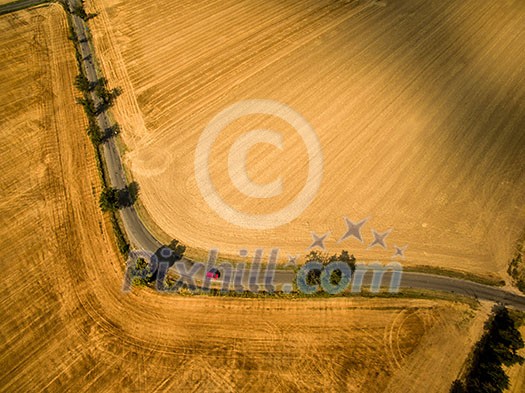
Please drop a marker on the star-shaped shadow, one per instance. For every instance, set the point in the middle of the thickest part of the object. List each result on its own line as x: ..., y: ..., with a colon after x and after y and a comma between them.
x: 318, y: 241
x: 292, y: 261
x: 379, y: 238
x: 353, y: 229
x: 400, y: 251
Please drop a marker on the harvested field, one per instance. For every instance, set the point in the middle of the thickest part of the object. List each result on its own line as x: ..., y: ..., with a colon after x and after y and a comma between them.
x: 67, y: 325
x: 418, y: 105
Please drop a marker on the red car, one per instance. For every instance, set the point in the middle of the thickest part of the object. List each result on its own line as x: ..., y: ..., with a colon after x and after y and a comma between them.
x: 213, y: 273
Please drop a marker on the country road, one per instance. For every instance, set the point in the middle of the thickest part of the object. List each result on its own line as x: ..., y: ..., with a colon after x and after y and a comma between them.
x: 141, y: 238
x: 19, y: 5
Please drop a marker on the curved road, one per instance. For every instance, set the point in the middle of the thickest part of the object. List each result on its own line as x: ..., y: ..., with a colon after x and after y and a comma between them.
x: 141, y: 238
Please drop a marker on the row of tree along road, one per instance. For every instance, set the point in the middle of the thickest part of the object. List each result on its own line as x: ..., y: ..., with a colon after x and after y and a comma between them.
x: 96, y: 99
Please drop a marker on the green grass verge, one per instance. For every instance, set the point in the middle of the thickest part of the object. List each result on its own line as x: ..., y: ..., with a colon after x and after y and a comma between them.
x: 384, y: 294
x: 485, y: 280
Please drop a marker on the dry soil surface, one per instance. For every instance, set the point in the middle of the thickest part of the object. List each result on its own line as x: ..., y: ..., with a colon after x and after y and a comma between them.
x: 67, y: 325
x: 418, y: 106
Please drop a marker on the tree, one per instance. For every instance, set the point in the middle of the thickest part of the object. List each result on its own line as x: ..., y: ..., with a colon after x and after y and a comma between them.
x: 133, y: 190
x: 94, y: 132
x: 177, y: 248
x: 107, y: 97
x: 112, y: 131
x: 497, y: 347
x: 82, y: 83
x: 141, y: 273
x: 80, y: 12
x: 72, y: 35
x: 128, y: 195
x: 314, y: 275
x: 88, y: 104
x: 109, y: 199
x: 122, y: 243
x: 102, y: 81
x: 457, y: 387
x: 113, y: 199
x: 345, y: 257
x: 506, y: 338
x: 115, y: 92
x: 336, y: 275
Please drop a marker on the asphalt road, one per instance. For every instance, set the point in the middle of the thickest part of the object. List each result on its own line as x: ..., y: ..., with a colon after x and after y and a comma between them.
x: 19, y: 5
x: 409, y: 280
x: 141, y: 238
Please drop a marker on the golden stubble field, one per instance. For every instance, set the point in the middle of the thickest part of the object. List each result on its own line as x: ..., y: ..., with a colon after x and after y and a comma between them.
x: 418, y: 106
x: 66, y: 325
